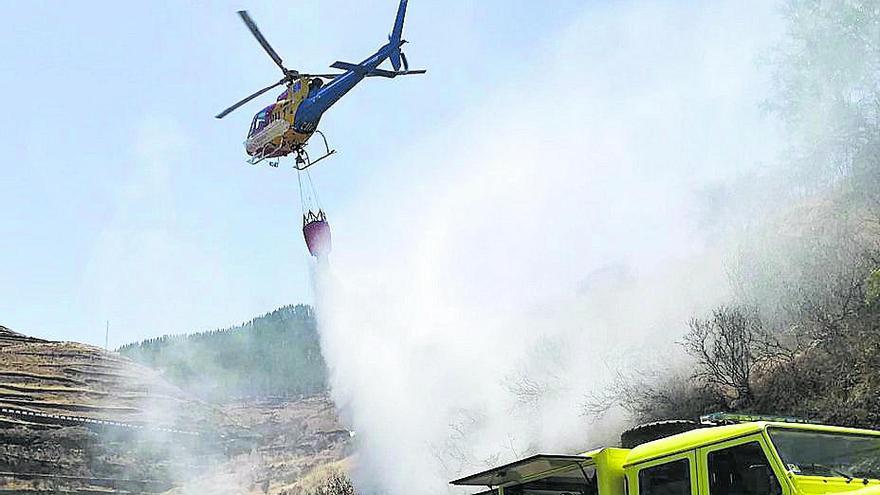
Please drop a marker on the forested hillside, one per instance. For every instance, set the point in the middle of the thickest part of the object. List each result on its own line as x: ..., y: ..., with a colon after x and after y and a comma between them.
x: 277, y: 354
x: 800, y: 334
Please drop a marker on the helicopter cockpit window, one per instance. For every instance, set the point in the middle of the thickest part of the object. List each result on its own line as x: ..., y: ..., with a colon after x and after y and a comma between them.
x: 260, y: 121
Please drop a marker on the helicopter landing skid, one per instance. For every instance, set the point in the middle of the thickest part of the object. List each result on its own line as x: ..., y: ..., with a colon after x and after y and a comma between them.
x: 264, y: 155
x: 271, y: 163
x: 303, y: 161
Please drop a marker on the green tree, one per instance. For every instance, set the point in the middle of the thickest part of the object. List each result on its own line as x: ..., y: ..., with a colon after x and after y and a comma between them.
x: 277, y: 354
x: 827, y: 74
x: 872, y: 288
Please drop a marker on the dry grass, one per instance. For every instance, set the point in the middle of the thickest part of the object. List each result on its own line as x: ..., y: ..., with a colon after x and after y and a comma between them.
x: 248, y: 447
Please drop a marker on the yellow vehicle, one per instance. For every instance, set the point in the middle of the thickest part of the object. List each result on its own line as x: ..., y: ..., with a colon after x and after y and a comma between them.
x: 723, y: 455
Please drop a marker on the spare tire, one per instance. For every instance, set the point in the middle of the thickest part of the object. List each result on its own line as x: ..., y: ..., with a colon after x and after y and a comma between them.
x: 658, y: 429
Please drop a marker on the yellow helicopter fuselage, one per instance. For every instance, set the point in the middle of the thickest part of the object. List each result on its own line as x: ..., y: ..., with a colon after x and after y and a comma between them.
x: 272, y: 131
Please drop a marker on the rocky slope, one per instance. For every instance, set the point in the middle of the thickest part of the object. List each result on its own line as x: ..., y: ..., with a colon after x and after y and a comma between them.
x: 291, y: 443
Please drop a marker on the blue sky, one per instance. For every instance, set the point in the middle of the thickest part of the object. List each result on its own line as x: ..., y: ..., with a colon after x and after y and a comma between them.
x: 125, y: 200
x: 94, y: 89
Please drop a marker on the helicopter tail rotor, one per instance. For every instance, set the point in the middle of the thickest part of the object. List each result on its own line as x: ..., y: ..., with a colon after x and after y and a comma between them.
x: 397, y: 57
x: 396, y: 35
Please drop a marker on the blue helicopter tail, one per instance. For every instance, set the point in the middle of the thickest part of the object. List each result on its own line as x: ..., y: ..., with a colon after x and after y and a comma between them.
x: 395, y: 37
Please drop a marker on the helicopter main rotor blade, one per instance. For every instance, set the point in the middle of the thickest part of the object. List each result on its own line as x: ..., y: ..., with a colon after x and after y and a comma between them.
x: 229, y: 110
x: 325, y: 76
x: 257, y: 34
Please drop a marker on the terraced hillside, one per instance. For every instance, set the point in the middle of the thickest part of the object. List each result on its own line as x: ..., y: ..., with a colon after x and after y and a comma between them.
x: 77, y: 419
x: 67, y: 384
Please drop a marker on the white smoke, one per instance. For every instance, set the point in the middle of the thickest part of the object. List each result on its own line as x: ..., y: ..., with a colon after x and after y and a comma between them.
x: 551, y: 234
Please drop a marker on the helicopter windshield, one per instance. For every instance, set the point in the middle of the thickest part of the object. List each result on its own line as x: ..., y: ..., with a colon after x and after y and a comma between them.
x: 260, y: 121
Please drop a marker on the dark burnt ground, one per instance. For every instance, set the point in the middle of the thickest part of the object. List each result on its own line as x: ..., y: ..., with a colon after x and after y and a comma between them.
x: 293, y: 438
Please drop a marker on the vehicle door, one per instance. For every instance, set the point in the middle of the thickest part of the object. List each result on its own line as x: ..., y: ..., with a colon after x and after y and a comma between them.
x: 670, y: 475
x: 743, y: 466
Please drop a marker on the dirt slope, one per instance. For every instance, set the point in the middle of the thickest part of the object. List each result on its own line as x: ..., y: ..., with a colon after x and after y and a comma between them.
x: 77, y: 419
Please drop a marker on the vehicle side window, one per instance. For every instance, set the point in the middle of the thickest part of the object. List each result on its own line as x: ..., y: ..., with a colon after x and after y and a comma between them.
x: 741, y: 470
x: 672, y: 478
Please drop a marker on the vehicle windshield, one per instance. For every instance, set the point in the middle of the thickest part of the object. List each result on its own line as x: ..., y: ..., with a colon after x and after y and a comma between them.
x: 820, y: 453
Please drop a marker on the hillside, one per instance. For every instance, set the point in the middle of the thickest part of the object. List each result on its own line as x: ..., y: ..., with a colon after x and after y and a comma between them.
x: 294, y: 443
x: 61, y: 383
x: 77, y: 419
x: 799, y: 332
x: 74, y: 417
x: 277, y: 354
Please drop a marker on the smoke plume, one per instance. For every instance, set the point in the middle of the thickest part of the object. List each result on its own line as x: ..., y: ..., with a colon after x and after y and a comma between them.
x: 495, y: 288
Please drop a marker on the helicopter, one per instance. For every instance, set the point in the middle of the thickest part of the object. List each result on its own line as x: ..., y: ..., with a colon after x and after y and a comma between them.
x: 284, y: 127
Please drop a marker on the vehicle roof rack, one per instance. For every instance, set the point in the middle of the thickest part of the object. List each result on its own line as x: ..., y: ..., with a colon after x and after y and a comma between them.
x: 725, y: 418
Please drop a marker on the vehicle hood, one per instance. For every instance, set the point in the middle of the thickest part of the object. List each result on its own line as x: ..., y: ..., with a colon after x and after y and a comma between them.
x: 815, y: 485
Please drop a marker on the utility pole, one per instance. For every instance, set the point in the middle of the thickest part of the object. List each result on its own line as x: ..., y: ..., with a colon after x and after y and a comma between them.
x: 107, y: 336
